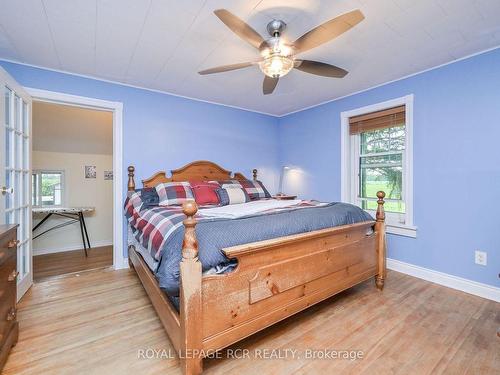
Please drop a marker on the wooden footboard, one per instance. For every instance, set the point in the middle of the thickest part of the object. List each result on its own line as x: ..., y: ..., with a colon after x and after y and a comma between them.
x: 274, y: 279
x: 277, y: 278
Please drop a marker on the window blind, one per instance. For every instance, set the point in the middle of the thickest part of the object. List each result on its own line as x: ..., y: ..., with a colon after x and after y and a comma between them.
x: 387, y: 118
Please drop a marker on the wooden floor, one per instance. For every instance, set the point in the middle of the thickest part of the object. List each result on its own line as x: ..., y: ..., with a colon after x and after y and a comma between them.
x: 98, y: 322
x: 55, y: 264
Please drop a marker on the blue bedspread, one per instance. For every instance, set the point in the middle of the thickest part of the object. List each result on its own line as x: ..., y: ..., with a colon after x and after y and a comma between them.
x: 216, y: 234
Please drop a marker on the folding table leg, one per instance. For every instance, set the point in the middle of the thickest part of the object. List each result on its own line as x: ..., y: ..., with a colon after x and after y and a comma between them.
x: 80, y: 219
x: 85, y: 229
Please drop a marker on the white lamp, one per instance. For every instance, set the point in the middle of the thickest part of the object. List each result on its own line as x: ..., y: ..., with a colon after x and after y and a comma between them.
x: 282, y: 176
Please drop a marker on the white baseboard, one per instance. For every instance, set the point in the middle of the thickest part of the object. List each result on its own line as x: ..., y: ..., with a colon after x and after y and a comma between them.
x: 70, y: 247
x: 450, y: 281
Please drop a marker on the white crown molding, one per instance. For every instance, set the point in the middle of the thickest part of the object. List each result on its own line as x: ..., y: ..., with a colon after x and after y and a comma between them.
x: 468, y: 286
x: 246, y: 109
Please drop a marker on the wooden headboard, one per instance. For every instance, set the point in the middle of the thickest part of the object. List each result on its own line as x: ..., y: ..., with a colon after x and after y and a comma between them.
x: 201, y: 170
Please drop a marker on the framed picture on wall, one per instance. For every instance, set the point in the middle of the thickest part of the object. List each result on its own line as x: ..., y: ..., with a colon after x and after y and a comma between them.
x: 108, y: 175
x: 90, y: 171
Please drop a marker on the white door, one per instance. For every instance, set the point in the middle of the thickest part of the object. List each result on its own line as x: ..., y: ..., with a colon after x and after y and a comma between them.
x: 15, y: 173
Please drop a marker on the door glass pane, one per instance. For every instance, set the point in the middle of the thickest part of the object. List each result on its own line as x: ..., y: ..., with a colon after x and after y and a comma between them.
x: 18, y: 151
x: 8, y: 96
x: 25, y: 153
x: 34, y: 184
x: 27, y: 223
x: 7, y: 147
x: 25, y: 118
x: 20, y: 261
x: 17, y: 190
x: 25, y: 258
x: 17, y: 107
x: 26, y: 189
x: 9, y: 217
x: 8, y: 183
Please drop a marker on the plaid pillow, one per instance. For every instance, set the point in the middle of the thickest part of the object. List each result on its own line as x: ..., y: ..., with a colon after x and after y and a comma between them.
x: 149, y: 196
x: 174, y: 193
x: 232, y: 195
x: 254, y: 189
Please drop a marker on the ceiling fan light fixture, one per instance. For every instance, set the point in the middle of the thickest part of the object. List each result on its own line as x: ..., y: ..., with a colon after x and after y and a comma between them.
x: 276, y: 66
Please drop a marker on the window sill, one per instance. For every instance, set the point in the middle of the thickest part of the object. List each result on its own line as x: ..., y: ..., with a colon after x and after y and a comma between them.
x: 401, y: 230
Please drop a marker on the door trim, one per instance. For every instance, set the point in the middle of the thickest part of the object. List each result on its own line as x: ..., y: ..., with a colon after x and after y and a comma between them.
x: 119, y: 261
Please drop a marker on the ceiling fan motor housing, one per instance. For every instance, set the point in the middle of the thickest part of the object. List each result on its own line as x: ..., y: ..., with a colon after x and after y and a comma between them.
x: 276, y: 27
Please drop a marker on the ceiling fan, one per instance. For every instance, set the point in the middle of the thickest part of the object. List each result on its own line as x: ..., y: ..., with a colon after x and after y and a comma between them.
x: 278, y: 56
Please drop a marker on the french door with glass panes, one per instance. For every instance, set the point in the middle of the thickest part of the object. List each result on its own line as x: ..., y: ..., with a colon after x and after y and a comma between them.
x: 15, y: 174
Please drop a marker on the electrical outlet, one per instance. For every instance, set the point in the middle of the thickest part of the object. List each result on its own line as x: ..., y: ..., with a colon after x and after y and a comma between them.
x: 481, y: 257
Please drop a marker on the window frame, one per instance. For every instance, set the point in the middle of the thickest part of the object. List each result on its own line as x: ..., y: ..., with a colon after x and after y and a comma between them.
x: 350, y: 145
x: 38, y: 187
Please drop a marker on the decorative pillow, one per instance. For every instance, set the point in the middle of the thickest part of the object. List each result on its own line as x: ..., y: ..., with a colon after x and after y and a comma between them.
x: 174, y: 193
x: 255, y: 189
x: 149, y: 197
x: 232, y: 195
x: 205, y: 192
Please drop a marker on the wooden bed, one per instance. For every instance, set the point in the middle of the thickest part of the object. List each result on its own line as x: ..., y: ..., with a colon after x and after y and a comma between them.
x: 274, y: 279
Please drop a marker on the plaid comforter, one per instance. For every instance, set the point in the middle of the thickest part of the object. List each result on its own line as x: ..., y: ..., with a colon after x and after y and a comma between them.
x: 152, y: 226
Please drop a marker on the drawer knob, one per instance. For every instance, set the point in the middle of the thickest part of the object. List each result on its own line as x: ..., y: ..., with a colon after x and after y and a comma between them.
x: 13, y: 275
x: 12, y: 314
x: 13, y: 243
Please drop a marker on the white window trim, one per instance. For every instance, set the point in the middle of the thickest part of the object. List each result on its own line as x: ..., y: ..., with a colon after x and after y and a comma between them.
x: 408, y: 229
x: 63, y: 187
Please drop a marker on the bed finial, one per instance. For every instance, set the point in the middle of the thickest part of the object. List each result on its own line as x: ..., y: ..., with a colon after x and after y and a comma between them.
x: 381, y: 245
x: 380, y: 208
x: 254, y: 174
x: 190, y: 244
x: 131, y: 182
x: 190, y: 306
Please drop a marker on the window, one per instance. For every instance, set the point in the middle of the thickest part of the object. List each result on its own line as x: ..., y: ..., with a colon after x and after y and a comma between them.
x: 48, y: 188
x: 377, y: 155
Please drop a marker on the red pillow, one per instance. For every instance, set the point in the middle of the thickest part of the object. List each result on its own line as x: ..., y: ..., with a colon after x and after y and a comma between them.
x: 204, y: 192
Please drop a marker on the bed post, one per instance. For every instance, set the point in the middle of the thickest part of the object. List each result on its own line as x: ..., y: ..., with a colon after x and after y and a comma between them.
x: 131, y: 182
x: 381, y: 244
x: 254, y: 174
x: 190, y: 296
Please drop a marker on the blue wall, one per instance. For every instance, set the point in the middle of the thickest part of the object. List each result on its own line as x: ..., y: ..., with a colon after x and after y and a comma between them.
x: 164, y: 132
x: 456, y: 152
x: 456, y: 163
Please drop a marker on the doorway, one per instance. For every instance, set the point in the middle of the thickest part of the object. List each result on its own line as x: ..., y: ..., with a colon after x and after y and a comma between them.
x: 72, y: 189
x: 116, y: 108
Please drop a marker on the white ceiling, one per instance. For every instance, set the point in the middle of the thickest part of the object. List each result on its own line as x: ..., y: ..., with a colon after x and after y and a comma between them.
x: 161, y: 44
x: 61, y: 128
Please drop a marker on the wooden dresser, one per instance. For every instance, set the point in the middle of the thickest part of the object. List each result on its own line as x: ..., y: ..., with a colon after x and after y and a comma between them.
x: 9, y: 327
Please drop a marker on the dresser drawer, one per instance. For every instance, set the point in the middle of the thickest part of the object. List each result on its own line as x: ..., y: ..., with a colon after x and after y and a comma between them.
x: 8, y: 246
x: 8, y: 284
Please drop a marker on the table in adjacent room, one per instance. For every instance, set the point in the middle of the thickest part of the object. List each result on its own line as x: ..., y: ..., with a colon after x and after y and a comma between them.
x: 73, y: 214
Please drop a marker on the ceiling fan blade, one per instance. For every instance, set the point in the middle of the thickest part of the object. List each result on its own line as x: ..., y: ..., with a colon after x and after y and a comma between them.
x: 269, y: 85
x: 240, y: 27
x: 328, y: 31
x: 320, y: 69
x: 226, y: 68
